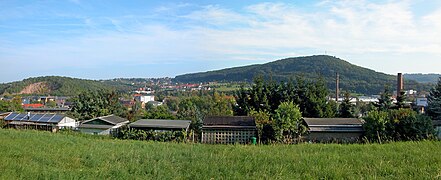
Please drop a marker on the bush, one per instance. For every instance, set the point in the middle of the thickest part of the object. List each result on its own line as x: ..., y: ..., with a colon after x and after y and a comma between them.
x: 162, y: 136
x: 287, y: 122
x: 396, y: 125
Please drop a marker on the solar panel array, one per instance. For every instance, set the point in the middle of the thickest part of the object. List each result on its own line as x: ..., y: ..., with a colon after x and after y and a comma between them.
x: 40, y: 118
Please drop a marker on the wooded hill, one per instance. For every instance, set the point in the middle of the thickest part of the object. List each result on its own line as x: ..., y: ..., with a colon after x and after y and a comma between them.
x: 353, y: 78
x: 59, y: 86
x: 423, y: 78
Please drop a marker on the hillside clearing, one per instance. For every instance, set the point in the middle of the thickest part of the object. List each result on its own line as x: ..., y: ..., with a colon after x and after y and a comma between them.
x: 37, y: 155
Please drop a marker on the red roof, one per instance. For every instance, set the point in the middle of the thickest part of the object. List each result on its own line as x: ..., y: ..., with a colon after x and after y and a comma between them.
x: 33, y: 105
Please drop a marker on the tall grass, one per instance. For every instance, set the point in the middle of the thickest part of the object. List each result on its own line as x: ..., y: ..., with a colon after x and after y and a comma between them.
x: 44, y: 155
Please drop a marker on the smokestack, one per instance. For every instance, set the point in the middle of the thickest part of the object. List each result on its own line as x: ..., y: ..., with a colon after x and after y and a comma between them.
x: 400, y: 84
x: 337, y: 86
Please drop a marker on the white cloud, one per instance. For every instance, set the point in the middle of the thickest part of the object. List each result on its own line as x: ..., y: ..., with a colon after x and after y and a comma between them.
x: 348, y: 29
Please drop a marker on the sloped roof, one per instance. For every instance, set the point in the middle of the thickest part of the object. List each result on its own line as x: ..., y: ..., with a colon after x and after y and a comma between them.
x: 112, y: 119
x: 334, y: 124
x: 95, y: 126
x: 35, y: 117
x: 229, y: 121
x: 332, y: 121
x: 161, y: 123
x: 46, y: 109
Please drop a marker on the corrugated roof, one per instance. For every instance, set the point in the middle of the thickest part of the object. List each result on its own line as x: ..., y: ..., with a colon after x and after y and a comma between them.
x: 332, y: 121
x: 229, y: 121
x: 35, y: 117
x: 113, y: 119
x: 95, y: 126
x: 160, y: 123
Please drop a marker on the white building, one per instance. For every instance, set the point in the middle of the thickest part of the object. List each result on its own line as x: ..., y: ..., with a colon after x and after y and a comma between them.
x: 144, y: 98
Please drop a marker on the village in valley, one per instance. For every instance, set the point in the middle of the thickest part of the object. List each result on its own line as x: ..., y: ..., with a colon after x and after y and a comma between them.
x: 54, y: 113
x: 143, y: 89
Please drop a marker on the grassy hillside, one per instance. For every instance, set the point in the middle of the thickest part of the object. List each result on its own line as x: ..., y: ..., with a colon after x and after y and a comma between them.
x: 56, y: 85
x: 353, y: 78
x: 44, y: 155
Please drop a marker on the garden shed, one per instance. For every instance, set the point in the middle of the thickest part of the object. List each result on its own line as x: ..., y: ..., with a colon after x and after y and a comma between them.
x: 228, y: 129
x: 48, y: 122
x: 334, y: 129
x: 161, y: 125
x: 105, y: 125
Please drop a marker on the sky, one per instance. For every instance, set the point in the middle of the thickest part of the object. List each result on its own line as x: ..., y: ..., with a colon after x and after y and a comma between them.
x: 104, y: 39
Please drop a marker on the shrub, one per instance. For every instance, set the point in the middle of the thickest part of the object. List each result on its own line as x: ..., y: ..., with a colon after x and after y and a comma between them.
x: 401, y: 124
x: 162, y: 136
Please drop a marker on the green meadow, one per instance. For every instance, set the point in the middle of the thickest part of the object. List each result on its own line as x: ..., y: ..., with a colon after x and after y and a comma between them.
x: 45, y: 155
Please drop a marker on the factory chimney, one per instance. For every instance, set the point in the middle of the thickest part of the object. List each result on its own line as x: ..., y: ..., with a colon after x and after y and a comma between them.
x: 400, y: 84
x: 337, y: 86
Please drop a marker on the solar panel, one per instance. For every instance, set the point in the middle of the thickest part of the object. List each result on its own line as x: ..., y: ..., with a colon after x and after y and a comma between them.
x: 36, y: 117
x: 45, y: 118
x: 11, y: 116
x: 20, y: 117
x: 56, y: 118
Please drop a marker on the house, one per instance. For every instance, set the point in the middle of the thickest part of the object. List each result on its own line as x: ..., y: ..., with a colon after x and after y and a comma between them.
x: 105, y: 125
x: 334, y: 129
x: 32, y: 106
x: 161, y: 125
x: 143, y: 98
x: 421, y: 104
x: 48, y: 122
x: 228, y: 129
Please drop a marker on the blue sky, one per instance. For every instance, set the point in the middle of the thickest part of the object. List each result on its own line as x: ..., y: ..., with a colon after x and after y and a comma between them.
x: 109, y: 39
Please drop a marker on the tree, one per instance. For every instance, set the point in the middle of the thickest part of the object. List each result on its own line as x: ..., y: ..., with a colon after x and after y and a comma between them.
x: 401, y: 100
x: 375, y: 126
x: 397, y: 124
x: 385, y: 101
x: 434, y: 102
x: 159, y: 112
x: 263, y: 123
x: 91, y: 104
x: 346, y: 107
x: 287, y: 122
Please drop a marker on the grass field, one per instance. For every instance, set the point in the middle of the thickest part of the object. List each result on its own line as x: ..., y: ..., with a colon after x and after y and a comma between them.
x: 44, y: 155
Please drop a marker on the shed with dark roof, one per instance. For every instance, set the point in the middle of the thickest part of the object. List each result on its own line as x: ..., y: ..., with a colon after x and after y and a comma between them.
x: 334, y: 129
x: 161, y: 125
x: 105, y: 125
x: 228, y: 129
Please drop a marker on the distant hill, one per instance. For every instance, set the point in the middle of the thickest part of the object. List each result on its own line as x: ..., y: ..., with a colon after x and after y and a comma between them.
x: 423, y: 78
x: 59, y: 86
x: 353, y: 78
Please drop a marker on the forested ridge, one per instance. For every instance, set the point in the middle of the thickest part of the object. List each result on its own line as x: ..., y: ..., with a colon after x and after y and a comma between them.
x: 353, y: 78
x: 57, y: 85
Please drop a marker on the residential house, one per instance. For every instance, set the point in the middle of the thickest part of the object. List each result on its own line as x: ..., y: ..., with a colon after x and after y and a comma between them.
x: 49, y: 122
x: 334, y: 129
x: 105, y: 125
x: 228, y: 129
